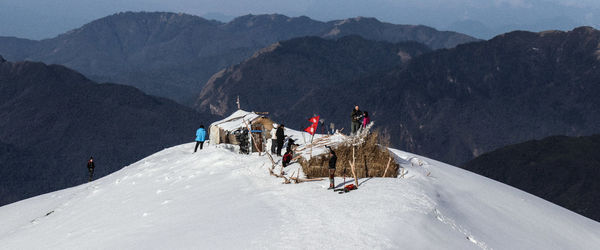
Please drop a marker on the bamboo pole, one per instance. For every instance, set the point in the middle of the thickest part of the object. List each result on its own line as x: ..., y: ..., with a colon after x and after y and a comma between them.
x: 317, y: 142
x: 402, y: 173
x: 293, y: 173
x: 386, y: 168
x: 305, y: 180
x: 344, y: 173
x: 327, y: 143
x: 311, y: 141
x: 353, y: 173
x: 252, y: 139
x: 352, y: 165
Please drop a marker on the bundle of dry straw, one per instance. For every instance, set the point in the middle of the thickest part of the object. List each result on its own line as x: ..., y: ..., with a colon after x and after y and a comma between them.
x: 371, y: 158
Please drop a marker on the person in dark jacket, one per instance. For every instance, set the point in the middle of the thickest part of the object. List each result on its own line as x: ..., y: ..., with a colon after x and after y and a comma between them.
x: 91, y: 166
x: 280, y: 138
x: 200, y: 137
x: 356, y: 117
x: 332, y: 162
x: 291, y: 144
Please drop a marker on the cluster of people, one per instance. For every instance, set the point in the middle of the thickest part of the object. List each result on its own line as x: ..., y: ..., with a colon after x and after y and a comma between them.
x: 359, y: 118
x: 278, y: 140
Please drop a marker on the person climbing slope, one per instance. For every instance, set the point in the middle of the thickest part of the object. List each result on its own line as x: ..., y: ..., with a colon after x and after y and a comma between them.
x: 200, y: 137
x: 91, y: 166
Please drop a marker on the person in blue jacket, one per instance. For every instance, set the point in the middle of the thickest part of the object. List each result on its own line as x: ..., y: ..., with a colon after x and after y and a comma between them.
x: 200, y: 137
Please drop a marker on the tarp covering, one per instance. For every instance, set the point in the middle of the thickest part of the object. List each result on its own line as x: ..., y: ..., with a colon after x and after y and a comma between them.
x: 231, y: 123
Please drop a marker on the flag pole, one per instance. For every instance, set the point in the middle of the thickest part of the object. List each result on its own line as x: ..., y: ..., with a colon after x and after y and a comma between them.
x: 311, y: 139
x: 316, y: 129
x: 311, y: 146
x: 312, y: 129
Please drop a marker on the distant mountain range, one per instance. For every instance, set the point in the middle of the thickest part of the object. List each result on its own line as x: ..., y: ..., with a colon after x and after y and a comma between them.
x: 560, y: 169
x: 52, y: 119
x: 449, y: 104
x: 173, y: 55
x: 279, y: 77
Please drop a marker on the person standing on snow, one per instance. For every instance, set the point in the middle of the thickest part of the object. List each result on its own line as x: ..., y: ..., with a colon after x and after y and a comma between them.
x: 332, y: 162
x: 90, y: 166
x: 366, y: 119
x: 280, y: 138
x: 273, y: 140
x: 356, y: 116
x: 200, y: 137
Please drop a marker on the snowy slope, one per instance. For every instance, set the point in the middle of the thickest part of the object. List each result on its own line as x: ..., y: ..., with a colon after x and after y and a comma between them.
x: 217, y: 198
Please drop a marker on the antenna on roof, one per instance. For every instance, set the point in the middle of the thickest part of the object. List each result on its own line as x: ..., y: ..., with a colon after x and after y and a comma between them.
x: 238, y: 102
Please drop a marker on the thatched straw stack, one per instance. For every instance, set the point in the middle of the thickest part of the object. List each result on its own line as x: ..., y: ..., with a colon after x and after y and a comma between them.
x: 370, y: 156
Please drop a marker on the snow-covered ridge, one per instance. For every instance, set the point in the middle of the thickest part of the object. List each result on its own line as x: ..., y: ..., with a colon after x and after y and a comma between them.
x: 217, y: 198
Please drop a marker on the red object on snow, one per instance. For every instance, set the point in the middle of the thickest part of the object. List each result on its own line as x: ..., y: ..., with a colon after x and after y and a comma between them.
x: 312, y: 128
x: 349, y: 187
x: 314, y: 119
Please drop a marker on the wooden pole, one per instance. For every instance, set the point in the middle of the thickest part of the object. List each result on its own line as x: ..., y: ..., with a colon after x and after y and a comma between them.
x: 305, y: 180
x: 303, y: 139
x: 344, y: 173
x: 352, y: 165
x: 311, y: 141
x: 386, y: 168
x: 252, y: 138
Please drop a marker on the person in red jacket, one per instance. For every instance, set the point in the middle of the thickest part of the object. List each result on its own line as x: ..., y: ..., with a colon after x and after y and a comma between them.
x: 287, y: 158
x: 366, y: 119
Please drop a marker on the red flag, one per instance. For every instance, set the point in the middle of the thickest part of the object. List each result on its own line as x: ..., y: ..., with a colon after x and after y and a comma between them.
x: 312, y: 128
x: 314, y: 119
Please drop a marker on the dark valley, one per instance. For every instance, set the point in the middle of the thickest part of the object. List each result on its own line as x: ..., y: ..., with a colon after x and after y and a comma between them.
x: 52, y: 119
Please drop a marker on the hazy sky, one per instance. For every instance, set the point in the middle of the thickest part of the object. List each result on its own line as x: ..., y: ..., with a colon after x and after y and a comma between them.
x: 37, y: 19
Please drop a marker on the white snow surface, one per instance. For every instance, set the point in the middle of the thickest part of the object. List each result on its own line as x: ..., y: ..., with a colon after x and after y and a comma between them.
x: 219, y: 199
